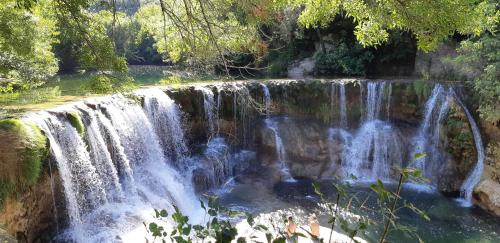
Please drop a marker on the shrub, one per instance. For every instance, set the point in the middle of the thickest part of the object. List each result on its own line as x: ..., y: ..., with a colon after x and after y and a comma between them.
x: 107, y: 83
x: 343, y: 59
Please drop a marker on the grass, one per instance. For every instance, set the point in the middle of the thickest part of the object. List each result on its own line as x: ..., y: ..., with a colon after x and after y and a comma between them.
x: 72, y: 87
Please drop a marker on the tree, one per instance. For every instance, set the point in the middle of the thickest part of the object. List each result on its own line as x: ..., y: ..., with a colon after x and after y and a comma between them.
x: 201, y: 32
x: 481, y: 57
x: 26, y: 40
x: 430, y: 21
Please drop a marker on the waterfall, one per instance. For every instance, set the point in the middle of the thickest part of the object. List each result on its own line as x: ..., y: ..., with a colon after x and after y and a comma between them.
x: 241, y: 105
x: 375, y: 148
x: 165, y: 116
x: 217, y: 153
x: 374, y: 99
x: 338, y: 99
x: 266, y: 97
x: 218, y: 108
x: 427, y: 138
x: 209, y: 108
x: 280, y: 149
x: 120, y: 151
x: 343, y: 106
x: 99, y: 154
x: 336, y: 137
x: 475, y: 175
x: 388, y: 104
x: 83, y: 187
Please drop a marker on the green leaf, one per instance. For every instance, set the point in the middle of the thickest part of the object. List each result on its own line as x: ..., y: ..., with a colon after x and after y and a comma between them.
x: 418, y: 156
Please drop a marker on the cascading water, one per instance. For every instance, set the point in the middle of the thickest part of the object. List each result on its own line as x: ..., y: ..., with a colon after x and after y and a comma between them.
x: 374, y: 99
x: 280, y: 149
x: 217, y: 153
x: 427, y: 138
x: 134, y: 162
x: 218, y: 108
x: 241, y: 106
x: 475, y: 175
x: 267, y: 97
x: 132, y: 158
x: 99, y: 154
x: 209, y: 108
x: 343, y: 106
x: 338, y: 99
x: 376, y: 147
x: 82, y: 186
x: 165, y: 117
x: 336, y: 137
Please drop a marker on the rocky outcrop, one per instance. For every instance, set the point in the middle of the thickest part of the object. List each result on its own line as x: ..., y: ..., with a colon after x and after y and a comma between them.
x: 30, y: 215
x: 302, y: 68
x: 305, y: 143
x: 487, y: 195
x: 437, y: 64
x: 457, y: 140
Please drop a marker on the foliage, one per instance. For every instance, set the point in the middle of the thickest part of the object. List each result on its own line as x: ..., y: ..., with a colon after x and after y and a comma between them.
x: 343, y: 202
x: 76, y: 121
x: 26, y: 39
x: 422, y: 88
x: 201, y: 32
x: 430, y: 21
x: 108, y: 83
x: 391, y: 202
x: 217, y: 226
x: 343, y: 59
x: 30, y: 96
x: 481, y: 57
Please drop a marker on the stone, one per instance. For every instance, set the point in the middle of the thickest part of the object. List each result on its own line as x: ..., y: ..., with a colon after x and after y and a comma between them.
x: 487, y: 196
x: 302, y: 68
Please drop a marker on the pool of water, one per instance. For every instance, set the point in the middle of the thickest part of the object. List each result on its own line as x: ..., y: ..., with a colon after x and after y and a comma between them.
x: 448, y: 221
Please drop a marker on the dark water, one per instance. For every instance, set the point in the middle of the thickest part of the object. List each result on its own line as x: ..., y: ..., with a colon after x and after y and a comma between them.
x: 448, y: 221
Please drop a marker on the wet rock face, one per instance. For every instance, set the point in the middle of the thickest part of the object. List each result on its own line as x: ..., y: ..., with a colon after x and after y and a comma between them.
x: 305, y: 143
x: 487, y: 193
x: 487, y: 196
x: 31, y: 216
x: 457, y: 141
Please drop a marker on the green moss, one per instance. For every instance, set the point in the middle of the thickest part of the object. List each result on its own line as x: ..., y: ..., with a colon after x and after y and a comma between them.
x: 34, y: 147
x: 32, y: 152
x: 6, y: 188
x: 422, y: 88
x: 10, y: 124
x: 76, y: 122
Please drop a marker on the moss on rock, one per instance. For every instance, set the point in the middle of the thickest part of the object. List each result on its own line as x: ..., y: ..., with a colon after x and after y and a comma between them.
x: 6, y: 189
x: 76, y: 122
x: 23, y: 148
